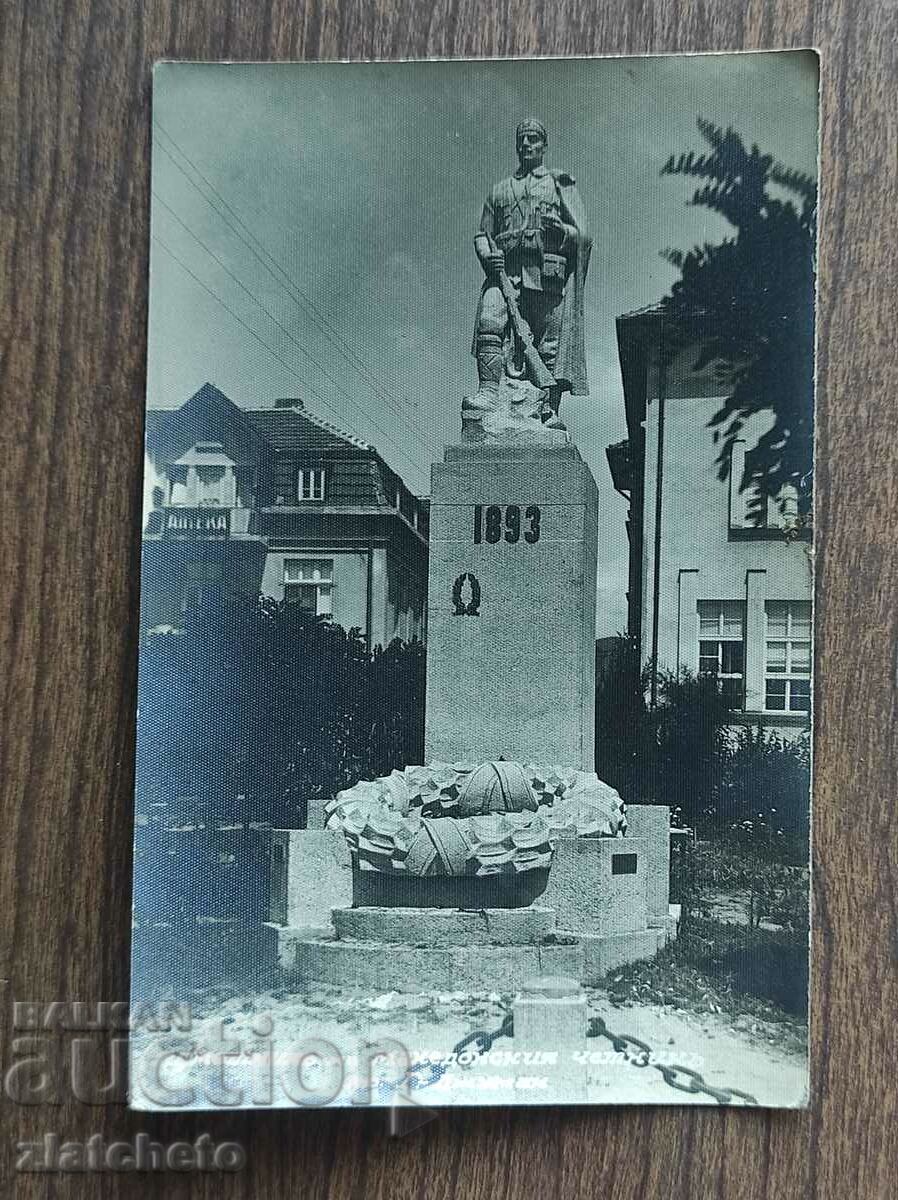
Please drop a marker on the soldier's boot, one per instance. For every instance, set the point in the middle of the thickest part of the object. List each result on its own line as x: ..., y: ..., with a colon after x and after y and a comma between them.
x: 490, y: 367
x: 549, y: 414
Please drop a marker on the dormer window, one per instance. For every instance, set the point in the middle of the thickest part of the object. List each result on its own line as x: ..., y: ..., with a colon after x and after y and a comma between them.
x: 310, y: 484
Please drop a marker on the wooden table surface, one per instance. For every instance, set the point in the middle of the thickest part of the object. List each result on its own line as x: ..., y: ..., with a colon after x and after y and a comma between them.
x: 74, y: 181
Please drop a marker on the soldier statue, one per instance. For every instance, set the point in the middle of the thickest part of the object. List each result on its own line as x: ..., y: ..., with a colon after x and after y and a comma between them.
x: 534, y: 250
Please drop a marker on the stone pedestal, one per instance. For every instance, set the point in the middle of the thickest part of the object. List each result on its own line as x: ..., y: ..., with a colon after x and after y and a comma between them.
x: 550, y: 1017
x: 311, y: 873
x: 591, y: 919
x: 441, y: 927
x: 511, y: 606
x: 510, y: 675
x: 598, y: 885
x: 651, y: 824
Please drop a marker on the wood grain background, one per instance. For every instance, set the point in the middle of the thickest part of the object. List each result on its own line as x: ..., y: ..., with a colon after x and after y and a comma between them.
x: 74, y: 182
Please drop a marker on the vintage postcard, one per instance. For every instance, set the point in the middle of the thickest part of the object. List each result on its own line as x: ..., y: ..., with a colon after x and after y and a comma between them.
x: 475, y: 687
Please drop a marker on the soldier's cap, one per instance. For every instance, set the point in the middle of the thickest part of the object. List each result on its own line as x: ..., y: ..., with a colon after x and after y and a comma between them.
x: 528, y: 126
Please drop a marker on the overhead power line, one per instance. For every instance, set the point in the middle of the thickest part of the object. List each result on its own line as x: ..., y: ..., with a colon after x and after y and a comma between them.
x: 249, y: 329
x: 240, y: 321
x: 275, y: 268
x: 286, y: 332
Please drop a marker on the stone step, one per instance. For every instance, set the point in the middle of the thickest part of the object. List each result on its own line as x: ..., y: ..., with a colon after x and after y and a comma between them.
x: 440, y: 927
x: 384, y: 967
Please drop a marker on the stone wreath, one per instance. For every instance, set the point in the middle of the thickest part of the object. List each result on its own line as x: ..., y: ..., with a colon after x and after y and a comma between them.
x: 467, y: 819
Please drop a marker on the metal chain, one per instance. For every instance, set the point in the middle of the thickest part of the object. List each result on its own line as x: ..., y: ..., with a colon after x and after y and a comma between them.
x: 683, y: 1079
x: 427, y: 1073
x: 480, y: 1040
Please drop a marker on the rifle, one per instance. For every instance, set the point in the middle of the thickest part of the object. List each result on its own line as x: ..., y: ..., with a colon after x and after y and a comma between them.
x: 539, y: 372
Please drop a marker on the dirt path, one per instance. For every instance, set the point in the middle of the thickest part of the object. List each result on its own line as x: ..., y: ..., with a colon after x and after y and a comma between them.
x: 246, y: 1029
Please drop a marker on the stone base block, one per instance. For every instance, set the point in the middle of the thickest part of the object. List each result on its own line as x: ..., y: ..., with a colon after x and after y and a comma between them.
x: 651, y: 824
x: 494, y: 968
x: 386, y: 967
x: 439, y: 927
x: 287, y: 937
x: 517, y: 528
x: 311, y: 873
x: 602, y: 955
x: 562, y: 960
x: 598, y: 885
x: 550, y: 1015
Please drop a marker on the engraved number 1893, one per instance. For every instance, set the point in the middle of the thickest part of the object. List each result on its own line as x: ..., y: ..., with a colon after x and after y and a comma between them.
x: 493, y: 523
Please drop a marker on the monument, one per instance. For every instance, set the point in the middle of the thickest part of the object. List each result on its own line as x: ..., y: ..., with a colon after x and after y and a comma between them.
x: 534, y: 250
x: 514, y: 510
x: 451, y: 862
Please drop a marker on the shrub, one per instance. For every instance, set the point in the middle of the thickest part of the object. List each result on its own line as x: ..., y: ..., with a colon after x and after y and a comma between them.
x: 723, y: 779
x: 745, y: 960
x: 682, y: 745
x: 763, y: 798
x: 258, y: 708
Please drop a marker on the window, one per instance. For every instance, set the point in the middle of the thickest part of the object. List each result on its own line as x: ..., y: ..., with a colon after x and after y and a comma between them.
x: 721, y: 646
x: 310, y: 484
x: 787, y: 683
x: 309, y: 582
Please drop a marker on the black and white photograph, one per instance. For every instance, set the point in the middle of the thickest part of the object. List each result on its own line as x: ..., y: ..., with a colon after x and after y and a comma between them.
x: 476, y: 633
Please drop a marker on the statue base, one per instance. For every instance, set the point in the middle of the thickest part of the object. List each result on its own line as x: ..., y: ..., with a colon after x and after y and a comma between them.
x: 378, y: 966
x: 605, y: 905
x: 513, y: 418
x: 512, y: 604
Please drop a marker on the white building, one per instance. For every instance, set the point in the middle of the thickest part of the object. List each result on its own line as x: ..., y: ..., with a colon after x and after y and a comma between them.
x: 711, y: 588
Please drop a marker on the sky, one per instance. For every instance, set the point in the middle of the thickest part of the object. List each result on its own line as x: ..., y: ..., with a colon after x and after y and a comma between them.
x: 312, y: 230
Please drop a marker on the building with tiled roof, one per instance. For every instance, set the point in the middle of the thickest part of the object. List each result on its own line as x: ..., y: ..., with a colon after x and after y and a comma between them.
x: 278, y: 502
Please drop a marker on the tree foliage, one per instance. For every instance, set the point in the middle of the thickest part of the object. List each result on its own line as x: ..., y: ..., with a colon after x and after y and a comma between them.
x: 749, y: 302
x: 257, y: 709
x: 683, y: 744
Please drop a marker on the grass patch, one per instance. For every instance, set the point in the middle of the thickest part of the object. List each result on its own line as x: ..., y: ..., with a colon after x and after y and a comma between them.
x: 746, y: 959
x: 756, y: 977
